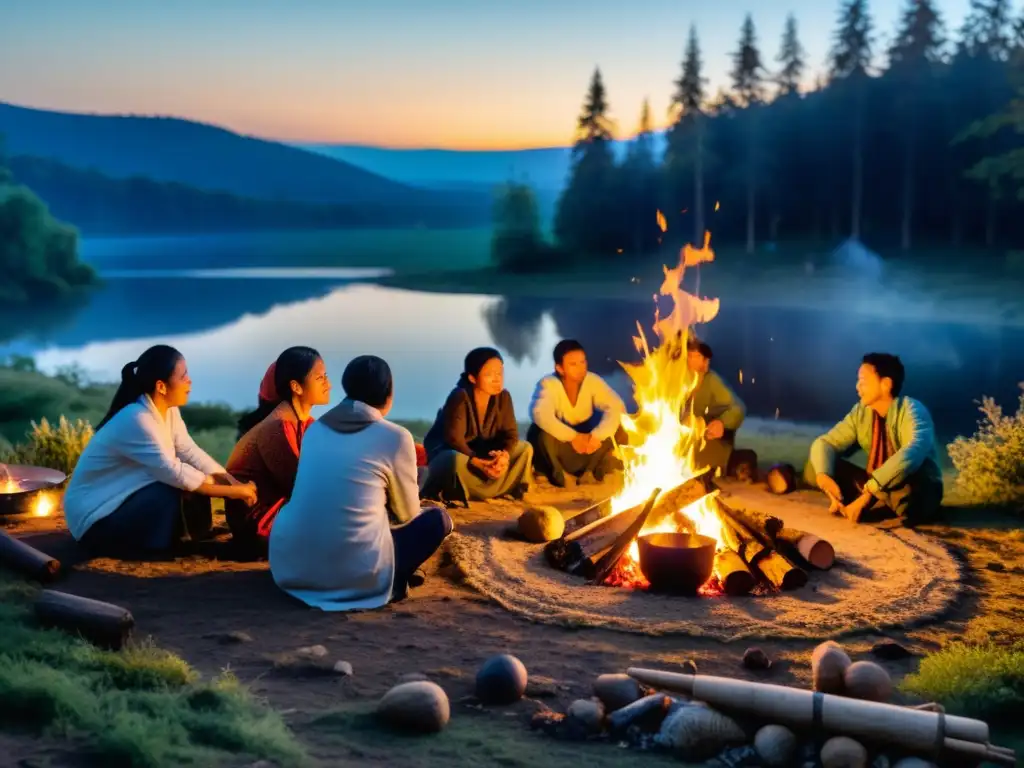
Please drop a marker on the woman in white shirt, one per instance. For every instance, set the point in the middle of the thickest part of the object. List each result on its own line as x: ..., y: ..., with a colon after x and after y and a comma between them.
x: 142, y: 485
x: 333, y: 544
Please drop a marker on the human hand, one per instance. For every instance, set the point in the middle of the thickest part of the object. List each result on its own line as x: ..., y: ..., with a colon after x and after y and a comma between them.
x: 831, y: 489
x: 246, y: 492
x: 593, y: 444
x: 715, y: 430
x: 580, y: 443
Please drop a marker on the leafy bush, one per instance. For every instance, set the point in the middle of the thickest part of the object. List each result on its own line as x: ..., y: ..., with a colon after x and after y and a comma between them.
x: 982, y: 681
x: 208, y: 416
x: 57, y: 448
x: 990, y: 465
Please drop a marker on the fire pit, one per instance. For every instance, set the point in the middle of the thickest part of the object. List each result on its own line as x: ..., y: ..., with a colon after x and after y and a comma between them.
x: 685, y: 539
x: 26, y: 491
x: 676, y: 562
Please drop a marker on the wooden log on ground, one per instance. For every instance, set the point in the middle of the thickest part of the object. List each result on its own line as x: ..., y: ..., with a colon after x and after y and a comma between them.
x: 778, y: 570
x: 27, y: 560
x: 572, y: 551
x: 911, y: 729
x: 733, y: 574
x: 781, y: 572
x: 738, y: 538
x: 646, y: 713
x: 103, y: 624
x: 811, y: 549
x: 609, y: 559
x: 591, y: 514
x: 765, y: 527
x: 678, y: 498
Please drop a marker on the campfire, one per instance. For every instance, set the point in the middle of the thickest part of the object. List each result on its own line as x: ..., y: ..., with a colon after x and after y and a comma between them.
x: 667, y: 529
x: 25, y: 491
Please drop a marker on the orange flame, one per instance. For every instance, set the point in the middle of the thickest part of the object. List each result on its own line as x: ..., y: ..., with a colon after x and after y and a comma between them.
x: 663, y: 435
x: 662, y: 224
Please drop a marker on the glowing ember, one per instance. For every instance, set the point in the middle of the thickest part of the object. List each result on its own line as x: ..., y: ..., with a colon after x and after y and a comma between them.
x: 43, y: 506
x: 9, y: 486
x: 663, y: 437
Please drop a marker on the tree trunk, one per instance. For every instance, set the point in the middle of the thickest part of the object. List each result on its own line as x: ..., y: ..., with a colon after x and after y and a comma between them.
x: 698, y: 183
x: 908, y: 190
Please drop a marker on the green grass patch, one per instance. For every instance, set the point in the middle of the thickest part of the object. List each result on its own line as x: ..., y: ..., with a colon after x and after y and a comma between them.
x: 470, y: 738
x: 142, y: 706
x: 982, y: 681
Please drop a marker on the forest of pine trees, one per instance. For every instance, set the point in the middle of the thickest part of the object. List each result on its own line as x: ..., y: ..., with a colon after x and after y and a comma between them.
x: 911, y: 148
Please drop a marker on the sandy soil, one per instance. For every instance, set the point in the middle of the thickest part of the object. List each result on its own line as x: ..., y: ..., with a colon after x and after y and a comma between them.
x: 445, y: 630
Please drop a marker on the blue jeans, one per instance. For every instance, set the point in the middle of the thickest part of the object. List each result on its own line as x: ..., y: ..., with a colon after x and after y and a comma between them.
x: 154, y: 519
x: 416, y: 541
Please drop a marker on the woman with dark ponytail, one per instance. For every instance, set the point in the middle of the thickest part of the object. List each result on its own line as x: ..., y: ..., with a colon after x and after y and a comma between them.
x: 268, y: 452
x: 473, y: 448
x: 142, y: 485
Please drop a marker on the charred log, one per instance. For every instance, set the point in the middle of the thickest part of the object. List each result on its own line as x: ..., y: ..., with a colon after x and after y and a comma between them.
x: 608, y: 560
x: 27, y: 560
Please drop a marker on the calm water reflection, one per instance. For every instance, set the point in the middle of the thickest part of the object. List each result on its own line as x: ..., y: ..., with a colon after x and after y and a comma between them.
x: 231, y: 328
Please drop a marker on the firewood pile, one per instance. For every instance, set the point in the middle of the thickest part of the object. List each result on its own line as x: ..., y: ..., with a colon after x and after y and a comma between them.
x: 757, y: 552
x: 846, y: 721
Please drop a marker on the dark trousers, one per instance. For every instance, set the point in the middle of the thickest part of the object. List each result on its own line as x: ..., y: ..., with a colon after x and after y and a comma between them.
x: 555, y: 459
x: 155, y: 519
x: 917, y: 500
x: 416, y: 541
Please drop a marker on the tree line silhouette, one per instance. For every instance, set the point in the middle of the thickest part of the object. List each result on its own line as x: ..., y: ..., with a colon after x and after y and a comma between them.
x: 915, y: 146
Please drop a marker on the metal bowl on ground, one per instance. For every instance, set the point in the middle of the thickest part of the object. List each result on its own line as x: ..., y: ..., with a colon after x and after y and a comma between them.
x: 21, y: 486
x: 676, y: 562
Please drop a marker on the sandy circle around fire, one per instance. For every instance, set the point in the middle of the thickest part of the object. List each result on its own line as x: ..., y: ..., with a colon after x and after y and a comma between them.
x: 881, y: 579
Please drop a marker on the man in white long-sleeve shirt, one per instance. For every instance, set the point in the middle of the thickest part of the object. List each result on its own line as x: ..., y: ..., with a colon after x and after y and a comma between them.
x: 576, y: 417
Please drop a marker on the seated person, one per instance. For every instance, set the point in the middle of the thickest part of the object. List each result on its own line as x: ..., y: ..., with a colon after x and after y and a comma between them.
x: 473, y: 447
x: 332, y: 545
x: 903, y: 476
x: 142, y: 486
x: 715, y: 402
x: 268, y: 453
x: 576, y: 420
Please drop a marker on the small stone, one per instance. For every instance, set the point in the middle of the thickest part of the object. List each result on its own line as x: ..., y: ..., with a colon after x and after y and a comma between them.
x: 829, y: 663
x: 843, y: 752
x: 776, y: 745
x: 588, y: 714
x: 418, y: 707
x: 995, y: 566
x: 501, y: 680
x: 617, y: 691
x: 890, y: 650
x: 914, y: 762
x: 541, y: 524
x: 755, y: 658
x: 867, y: 680
x: 881, y: 761
x: 312, y: 652
x: 343, y: 668
x: 541, y: 688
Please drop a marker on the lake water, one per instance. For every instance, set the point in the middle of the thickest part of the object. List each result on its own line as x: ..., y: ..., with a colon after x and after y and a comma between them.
x: 231, y: 322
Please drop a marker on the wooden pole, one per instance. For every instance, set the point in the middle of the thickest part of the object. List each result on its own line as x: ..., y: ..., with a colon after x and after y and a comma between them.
x: 103, y: 624
x: 27, y: 560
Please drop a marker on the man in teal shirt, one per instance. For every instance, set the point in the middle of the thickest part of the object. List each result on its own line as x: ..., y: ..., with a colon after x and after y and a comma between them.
x: 896, y: 432
x: 713, y: 401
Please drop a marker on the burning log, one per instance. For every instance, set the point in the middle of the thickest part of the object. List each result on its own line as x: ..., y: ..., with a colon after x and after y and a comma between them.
x: 733, y: 574
x: 103, y: 624
x: 680, y: 497
x: 775, y: 567
x: 807, y: 547
x: 25, y: 559
x: 608, y: 560
x: 579, y: 551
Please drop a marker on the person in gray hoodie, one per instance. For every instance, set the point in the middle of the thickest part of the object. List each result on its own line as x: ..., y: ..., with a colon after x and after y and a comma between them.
x: 354, y: 532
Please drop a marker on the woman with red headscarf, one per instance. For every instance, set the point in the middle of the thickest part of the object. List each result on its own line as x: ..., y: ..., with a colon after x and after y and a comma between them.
x: 267, y: 452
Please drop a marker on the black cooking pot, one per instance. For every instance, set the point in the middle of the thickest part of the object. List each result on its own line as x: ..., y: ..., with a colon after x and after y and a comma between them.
x: 20, y: 486
x: 676, y: 562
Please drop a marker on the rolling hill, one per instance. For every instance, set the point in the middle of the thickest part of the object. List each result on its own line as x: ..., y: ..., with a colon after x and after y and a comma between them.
x: 205, y: 157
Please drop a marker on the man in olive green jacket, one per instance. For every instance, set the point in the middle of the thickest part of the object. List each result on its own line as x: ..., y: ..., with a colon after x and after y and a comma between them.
x: 903, y: 477
x: 721, y: 409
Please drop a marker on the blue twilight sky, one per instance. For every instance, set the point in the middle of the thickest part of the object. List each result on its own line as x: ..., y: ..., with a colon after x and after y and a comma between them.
x: 466, y: 74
